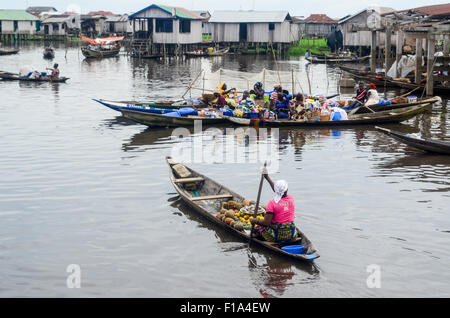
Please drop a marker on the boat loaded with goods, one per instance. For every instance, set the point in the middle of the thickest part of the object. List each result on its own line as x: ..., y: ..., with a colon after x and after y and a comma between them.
x: 101, y: 47
x: 231, y: 211
x: 244, y: 108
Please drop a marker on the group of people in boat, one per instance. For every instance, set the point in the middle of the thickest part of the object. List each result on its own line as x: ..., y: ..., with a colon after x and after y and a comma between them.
x: 41, y: 75
x: 278, y: 103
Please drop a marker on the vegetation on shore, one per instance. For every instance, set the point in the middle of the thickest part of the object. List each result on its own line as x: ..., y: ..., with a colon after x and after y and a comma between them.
x: 317, y: 46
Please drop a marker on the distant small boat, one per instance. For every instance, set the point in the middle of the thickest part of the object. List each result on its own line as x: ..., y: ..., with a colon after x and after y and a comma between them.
x: 426, y: 144
x: 8, y: 51
x: 49, y: 53
x: 15, y: 77
x: 334, y: 60
x: 207, y: 54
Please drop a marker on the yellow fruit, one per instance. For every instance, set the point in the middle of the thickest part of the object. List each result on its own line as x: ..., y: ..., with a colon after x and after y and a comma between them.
x: 246, y: 217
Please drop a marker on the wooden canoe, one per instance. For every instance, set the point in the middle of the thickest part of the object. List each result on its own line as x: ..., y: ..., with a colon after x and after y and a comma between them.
x: 207, y: 200
x: 331, y: 60
x: 381, y: 80
x: 426, y: 144
x: 162, y: 120
x: 15, y: 77
x: 8, y: 51
x: 151, y: 107
x: 381, y: 117
x: 100, y: 53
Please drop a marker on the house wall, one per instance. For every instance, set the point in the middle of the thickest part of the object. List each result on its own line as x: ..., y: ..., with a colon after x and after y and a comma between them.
x: 24, y: 27
x: 195, y: 36
x: 256, y: 32
x: 355, y: 38
x: 315, y: 29
x: 225, y: 32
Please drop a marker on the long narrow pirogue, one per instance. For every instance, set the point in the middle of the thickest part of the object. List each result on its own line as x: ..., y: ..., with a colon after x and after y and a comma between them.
x: 382, y: 80
x: 207, y: 199
x: 426, y: 144
x: 7, y: 76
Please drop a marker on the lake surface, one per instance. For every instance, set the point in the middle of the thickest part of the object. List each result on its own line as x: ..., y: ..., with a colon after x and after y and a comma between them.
x: 82, y: 185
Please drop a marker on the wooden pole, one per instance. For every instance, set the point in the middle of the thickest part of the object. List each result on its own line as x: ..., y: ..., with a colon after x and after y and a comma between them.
x: 398, y: 51
x: 418, y: 77
x: 387, y: 50
x: 446, y: 45
x: 430, y: 62
x: 373, y: 52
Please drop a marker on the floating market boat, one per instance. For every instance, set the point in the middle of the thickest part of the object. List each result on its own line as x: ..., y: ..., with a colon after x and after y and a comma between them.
x: 49, y: 53
x: 158, y: 107
x: 171, y: 119
x: 207, y: 54
x: 426, y: 144
x: 381, y: 80
x: 15, y: 77
x: 394, y: 115
x: 334, y: 60
x: 207, y: 199
x: 8, y: 51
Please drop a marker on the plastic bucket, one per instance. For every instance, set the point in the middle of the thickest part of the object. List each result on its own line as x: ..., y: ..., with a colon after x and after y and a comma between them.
x: 293, y: 249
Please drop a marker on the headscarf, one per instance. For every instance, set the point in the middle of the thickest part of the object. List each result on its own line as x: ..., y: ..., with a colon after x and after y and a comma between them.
x: 372, y: 85
x: 280, y: 188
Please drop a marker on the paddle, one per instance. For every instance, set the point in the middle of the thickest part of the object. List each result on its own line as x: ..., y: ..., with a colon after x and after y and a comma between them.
x: 257, y: 206
x: 354, y: 110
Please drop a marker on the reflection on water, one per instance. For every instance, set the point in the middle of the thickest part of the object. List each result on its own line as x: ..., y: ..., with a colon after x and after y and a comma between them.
x: 81, y: 184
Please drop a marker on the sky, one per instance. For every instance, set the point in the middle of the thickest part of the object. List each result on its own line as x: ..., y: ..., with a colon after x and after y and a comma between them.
x: 335, y: 9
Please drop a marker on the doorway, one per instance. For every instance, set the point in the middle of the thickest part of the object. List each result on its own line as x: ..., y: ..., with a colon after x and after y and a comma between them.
x: 243, y: 32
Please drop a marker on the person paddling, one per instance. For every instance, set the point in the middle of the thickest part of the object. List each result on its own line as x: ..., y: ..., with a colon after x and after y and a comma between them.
x: 278, y: 225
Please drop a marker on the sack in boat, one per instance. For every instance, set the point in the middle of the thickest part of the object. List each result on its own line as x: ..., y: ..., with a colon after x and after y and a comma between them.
x: 207, y: 98
x: 181, y: 171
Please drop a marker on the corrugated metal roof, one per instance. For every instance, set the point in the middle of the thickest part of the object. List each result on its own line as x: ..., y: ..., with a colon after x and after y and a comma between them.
x: 179, y: 12
x: 16, y: 15
x: 380, y: 10
x: 249, y: 16
x: 57, y: 18
x: 438, y: 10
x: 320, y: 18
x: 117, y: 18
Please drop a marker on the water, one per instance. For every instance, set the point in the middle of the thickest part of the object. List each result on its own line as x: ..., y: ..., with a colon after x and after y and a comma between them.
x: 82, y: 185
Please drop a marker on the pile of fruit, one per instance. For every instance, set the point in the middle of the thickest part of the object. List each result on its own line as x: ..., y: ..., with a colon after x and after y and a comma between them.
x: 239, y: 214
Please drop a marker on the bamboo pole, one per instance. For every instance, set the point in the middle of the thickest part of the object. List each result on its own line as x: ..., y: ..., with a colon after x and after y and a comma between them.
x: 192, y: 83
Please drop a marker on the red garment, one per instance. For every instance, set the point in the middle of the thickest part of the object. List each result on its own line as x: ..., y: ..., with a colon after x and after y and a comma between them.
x: 221, y: 101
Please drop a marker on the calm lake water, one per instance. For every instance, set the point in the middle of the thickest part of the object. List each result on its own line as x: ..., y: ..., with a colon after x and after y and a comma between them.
x: 82, y: 185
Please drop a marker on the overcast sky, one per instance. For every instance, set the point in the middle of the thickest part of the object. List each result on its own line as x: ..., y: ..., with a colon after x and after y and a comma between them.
x: 333, y: 8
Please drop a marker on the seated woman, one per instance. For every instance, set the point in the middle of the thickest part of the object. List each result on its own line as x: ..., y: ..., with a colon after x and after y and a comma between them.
x: 298, y: 109
x: 278, y: 225
x: 258, y: 91
x: 224, y: 91
x: 282, y: 107
x: 372, y: 95
x: 220, y: 100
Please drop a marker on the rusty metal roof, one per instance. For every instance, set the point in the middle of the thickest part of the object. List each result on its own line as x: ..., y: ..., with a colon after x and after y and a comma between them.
x: 320, y: 18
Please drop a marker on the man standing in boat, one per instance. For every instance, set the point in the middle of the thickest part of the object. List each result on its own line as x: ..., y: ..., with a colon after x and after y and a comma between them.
x: 278, y: 225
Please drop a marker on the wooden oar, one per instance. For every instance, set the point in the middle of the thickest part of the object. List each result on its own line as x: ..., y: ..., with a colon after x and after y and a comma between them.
x: 257, y: 206
x: 366, y: 106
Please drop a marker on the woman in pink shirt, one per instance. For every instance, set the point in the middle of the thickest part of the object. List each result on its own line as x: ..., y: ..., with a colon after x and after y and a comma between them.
x: 278, y: 225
